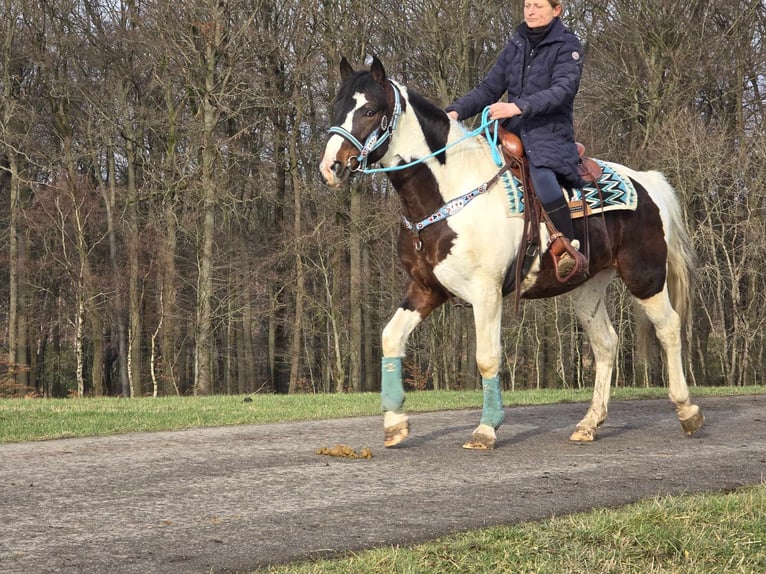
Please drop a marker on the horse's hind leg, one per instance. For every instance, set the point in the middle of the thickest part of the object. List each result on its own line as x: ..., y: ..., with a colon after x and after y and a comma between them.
x: 417, y: 306
x: 667, y: 326
x: 591, y: 312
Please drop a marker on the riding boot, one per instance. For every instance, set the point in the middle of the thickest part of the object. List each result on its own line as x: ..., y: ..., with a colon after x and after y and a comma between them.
x: 560, y: 216
x: 564, y: 247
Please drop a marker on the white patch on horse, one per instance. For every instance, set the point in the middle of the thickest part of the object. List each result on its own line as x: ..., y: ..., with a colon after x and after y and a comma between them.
x: 667, y: 325
x: 397, y: 330
x: 485, y: 245
x: 415, y: 147
x: 335, y: 141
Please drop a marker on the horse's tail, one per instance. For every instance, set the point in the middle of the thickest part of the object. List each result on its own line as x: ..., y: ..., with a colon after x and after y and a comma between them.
x: 680, y: 261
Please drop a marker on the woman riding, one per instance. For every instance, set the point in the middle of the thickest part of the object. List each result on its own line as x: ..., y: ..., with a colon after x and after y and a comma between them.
x: 540, y: 71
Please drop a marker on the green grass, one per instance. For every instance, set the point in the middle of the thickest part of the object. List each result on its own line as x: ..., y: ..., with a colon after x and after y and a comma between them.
x: 43, y: 419
x: 704, y: 533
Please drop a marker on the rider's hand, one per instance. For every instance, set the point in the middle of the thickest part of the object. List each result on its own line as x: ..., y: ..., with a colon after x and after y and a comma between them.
x: 501, y: 110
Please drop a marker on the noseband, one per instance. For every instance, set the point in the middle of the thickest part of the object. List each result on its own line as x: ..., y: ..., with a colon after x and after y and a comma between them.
x: 377, y: 138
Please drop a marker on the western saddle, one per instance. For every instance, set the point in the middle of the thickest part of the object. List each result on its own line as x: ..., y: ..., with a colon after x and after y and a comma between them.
x: 590, y: 171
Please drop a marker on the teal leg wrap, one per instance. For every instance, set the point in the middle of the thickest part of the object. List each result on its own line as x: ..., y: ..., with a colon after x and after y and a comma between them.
x: 391, y: 387
x: 492, y: 413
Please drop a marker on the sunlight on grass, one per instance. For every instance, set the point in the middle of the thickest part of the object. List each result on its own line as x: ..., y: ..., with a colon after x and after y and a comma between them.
x: 701, y: 533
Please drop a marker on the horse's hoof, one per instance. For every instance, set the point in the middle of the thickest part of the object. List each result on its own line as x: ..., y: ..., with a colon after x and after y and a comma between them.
x: 583, y: 435
x: 396, y: 434
x: 481, y: 439
x: 693, y: 423
x: 482, y: 444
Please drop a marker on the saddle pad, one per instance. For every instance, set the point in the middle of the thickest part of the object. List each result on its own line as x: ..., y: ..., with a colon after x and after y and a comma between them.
x: 617, y: 193
x: 617, y: 190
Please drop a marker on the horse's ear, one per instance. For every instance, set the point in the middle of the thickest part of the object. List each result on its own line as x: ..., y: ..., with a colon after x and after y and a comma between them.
x: 345, y: 68
x: 377, y: 71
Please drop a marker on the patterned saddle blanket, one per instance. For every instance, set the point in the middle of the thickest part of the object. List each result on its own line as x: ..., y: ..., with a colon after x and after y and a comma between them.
x: 617, y: 193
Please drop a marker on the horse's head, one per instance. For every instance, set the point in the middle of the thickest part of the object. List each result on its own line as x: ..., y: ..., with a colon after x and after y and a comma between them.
x: 365, y: 112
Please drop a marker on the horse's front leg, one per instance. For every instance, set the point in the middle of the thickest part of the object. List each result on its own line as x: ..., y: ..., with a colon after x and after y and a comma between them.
x: 416, y: 306
x: 487, y: 313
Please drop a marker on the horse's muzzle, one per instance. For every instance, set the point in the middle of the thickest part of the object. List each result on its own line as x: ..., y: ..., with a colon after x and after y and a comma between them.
x: 332, y: 173
x: 335, y: 173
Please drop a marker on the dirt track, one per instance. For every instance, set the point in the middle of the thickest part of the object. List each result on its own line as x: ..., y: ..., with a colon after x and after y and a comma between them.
x: 235, y: 498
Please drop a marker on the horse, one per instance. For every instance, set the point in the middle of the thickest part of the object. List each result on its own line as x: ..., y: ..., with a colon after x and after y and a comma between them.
x: 458, y: 240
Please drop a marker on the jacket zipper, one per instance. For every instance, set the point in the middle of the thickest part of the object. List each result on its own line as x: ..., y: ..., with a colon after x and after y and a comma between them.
x: 527, y: 64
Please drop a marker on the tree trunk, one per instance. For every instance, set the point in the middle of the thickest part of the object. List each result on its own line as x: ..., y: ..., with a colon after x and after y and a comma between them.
x: 78, y: 344
x: 96, y: 330
x: 246, y: 365
x: 355, y: 289
x: 16, y: 307
x: 230, y: 344
x: 134, y: 288
x: 108, y: 192
x: 242, y: 376
x: 297, y: 327
x: 271, y: 344
x: 370, y: 367
x: 203, y: 384
x: 168, y: 351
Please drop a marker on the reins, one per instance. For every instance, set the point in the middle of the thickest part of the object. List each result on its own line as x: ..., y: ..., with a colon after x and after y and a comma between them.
x: 485, y: 126
x: 378, y: 137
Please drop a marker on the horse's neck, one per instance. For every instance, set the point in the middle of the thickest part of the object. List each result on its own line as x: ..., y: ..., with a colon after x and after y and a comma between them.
x: 467, y: 164
x: 426, y: 187
x: 408, y: 143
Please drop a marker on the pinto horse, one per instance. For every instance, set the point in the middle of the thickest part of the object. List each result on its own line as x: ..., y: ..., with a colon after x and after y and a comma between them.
x: 466, y: 250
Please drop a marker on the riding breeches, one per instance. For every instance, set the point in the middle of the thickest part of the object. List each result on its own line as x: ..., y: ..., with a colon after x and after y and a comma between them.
x: 546, y: 184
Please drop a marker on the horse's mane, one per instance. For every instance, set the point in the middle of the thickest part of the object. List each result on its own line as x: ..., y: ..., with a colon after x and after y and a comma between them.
x: 433, y: 121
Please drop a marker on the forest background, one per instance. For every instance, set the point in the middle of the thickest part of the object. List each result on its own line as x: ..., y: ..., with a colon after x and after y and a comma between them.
x: 163, y: 229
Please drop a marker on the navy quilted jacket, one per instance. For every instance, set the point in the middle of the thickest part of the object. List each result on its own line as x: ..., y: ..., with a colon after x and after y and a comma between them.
x: 543, y: 83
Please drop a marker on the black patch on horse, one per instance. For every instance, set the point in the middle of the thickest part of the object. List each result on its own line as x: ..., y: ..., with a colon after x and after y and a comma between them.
x: 360, y: 82
x: 434, y: 123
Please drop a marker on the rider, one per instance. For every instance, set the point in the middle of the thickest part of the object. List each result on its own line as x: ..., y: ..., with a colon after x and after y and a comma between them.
x: 540, y: 70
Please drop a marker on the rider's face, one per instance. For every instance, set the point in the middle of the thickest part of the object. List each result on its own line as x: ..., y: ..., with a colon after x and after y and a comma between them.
x: 540, y: 13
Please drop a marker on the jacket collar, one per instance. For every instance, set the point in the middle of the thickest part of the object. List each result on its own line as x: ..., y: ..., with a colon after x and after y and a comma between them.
x: 556, y: 33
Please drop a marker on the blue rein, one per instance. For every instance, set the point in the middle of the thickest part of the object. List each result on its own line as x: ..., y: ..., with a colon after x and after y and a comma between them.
x: 484, y: 127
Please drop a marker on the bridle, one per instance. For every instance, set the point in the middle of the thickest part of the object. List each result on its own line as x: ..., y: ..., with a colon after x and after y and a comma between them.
x: 376, y: 139
x: 384, y: 131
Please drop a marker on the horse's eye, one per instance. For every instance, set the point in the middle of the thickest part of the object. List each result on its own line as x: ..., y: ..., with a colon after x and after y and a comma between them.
x: 370, y: 113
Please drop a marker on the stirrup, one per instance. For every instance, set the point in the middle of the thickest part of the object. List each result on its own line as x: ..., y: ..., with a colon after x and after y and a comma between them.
x: 568, y: 262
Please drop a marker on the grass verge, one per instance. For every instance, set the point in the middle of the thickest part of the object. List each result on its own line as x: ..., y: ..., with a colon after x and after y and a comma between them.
x: 43, y: 419
x: 706, y: 533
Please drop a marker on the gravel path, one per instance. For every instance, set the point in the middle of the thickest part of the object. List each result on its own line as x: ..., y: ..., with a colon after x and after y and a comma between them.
x: 231, y: 499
